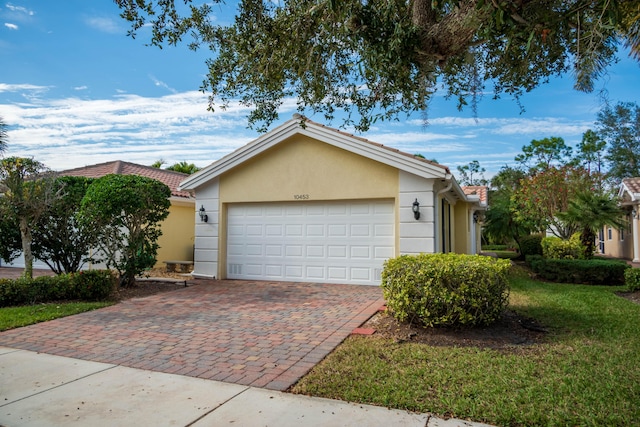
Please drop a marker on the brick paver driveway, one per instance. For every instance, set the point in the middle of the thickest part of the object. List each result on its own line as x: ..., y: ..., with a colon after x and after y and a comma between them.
x: 261, y: 334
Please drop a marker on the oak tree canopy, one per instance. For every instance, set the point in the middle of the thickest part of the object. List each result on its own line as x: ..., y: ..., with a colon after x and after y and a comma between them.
x: 375, y: 59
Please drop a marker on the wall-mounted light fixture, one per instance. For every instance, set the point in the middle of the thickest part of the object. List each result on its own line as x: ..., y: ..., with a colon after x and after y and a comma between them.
x: 416, y: 209
x: 634, y: 213
x: 203, y: 215
x: 475, y: 217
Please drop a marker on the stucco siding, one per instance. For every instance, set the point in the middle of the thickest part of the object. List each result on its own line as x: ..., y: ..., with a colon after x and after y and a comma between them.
x: 176, y: 242
x: 302, y: 168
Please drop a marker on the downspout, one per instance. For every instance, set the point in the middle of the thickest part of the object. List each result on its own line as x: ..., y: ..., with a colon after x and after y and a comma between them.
x: 436, y: 232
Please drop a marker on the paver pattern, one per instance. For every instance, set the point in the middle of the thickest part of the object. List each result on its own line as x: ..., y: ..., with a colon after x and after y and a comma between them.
x: 261, y: 334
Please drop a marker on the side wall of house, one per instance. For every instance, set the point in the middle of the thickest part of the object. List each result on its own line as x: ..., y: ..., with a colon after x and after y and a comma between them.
x: 178, y: 234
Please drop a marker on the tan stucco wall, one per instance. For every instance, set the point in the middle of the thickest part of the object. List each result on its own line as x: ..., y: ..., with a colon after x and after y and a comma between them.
x: 461, y: 227
x: 176, y: 242
x: 617, y: 247
x: 311, y: 170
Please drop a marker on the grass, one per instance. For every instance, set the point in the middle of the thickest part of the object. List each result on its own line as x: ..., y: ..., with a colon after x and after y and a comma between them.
x: 586, y: 373
x: 14, y: 317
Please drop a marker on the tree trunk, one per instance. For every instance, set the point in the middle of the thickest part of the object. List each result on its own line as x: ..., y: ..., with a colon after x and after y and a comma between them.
x: 588, y: 238
x: 25, y: 234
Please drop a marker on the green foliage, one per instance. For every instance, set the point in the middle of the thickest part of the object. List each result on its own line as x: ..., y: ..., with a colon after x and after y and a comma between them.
x: 126, y: 210
x: 531, y: 245
x: 468, y: 171
x: 446, y: 289
x: 632, y: 279
x: 544, y: 153
x: 92, y: 285
x: 184, y: 167
x: 377, y: 59
x: 59, y: 238
x: 620, y: 127
x: 10, y: 243
x: 556, y: 248
x: 16, y: 317
x: 495, y: 247
x: 589, y: 272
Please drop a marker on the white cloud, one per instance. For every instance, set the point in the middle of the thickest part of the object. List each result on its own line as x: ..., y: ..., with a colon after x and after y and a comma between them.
x: 10, y: 26
x: 4, y: 87
x: 106, y: 25
x: 19, y: 9
x: 160, y: 83
x: 80, y: 88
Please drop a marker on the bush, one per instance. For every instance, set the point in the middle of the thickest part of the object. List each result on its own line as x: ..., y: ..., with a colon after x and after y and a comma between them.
x: 556, y: 248
x: 446, y: 289
x: 531, y: 245
x: 588, y: 272
x: 93, y: 285
x: 632, y: 279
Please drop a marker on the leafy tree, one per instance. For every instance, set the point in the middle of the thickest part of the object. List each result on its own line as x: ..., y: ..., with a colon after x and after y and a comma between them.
x: 620, y: 127
x: 542, y: 154
x: 29, y: 194
x: 542, y: 196
x: 376, y: 59
x: 59, y: 238
x: 3, y: 135
x: 184, y: 167
x: 590, y: 211
x: 126, y: 211
x: 467, y: 173
x: 501, y: 223
x: 10, y: 242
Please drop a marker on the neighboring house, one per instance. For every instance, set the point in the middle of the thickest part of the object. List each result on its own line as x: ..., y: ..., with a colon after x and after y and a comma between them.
x: 177, y: 240
x: 308, y: 203
x: 625, y: 242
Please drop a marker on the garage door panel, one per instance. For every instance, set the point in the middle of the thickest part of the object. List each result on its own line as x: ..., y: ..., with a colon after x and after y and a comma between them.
x: 307, y: 241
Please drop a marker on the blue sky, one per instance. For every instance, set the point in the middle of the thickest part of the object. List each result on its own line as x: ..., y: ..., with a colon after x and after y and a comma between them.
x: 75, y: 91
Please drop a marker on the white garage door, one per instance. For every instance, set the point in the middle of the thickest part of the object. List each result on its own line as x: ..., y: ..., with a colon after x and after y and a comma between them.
x: 334, y: 242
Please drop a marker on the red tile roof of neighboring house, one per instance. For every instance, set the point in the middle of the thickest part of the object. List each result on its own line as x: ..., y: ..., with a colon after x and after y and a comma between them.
x: 298, y: 116
x: 633, y: 184
x: 170, y: 178
x: 478, y: 190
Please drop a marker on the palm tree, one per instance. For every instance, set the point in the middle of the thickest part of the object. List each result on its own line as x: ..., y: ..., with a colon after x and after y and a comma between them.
x: 591, y: 211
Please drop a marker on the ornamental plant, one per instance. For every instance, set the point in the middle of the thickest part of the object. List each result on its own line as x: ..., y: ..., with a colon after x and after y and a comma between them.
x: 446, y: 289
x: 556, y: 248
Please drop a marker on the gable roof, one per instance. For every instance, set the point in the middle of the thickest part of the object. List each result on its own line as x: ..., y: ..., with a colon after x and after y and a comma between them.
x: 301, y: 125
x: 631, y: 186
x: 170, y: 178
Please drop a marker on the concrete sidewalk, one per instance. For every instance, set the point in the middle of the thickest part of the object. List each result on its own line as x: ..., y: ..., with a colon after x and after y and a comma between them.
x: 38, y: 389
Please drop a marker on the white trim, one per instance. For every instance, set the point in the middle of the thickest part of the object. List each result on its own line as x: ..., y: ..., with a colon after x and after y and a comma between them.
x: 346, y: 142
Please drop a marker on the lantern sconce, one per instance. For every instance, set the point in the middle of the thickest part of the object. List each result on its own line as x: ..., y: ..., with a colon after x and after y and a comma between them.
x: 416, y: 209
x: 203, y: 215
x: 634, y: 213
x: 476, y: 217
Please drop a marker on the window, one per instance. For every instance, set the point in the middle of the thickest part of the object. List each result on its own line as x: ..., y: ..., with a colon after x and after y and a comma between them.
x: 609, y: 234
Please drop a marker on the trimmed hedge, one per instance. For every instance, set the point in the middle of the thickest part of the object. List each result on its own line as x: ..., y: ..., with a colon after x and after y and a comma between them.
x: 531, y: 245
x: 582, y: 271
x: 632, y: 279
x: 446, y: 289
x: 91, y: 285
x: 495, y: 247
x: 556, y: 248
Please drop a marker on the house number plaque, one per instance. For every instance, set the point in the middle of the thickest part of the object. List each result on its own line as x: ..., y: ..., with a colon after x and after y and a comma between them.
x: 301, y: 197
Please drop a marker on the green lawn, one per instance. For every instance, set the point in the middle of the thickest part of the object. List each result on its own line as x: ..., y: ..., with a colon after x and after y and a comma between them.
x: 586, y: 373
x: 14, y: 317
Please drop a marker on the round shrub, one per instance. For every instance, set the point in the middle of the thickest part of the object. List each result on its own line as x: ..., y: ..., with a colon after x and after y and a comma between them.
x: 446, y: 289
x: 556, y: 248
x: 632, y: 279
x: 94, y: 285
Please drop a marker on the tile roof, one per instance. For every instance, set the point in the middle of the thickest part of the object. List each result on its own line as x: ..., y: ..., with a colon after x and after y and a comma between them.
x: 633, y: 184
x: 170, y: 178
x: 431, y: 162
x: 478, y: 190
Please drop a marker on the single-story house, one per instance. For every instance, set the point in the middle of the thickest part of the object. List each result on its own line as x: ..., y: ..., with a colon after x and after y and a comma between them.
x: 177, y: 240
x: 625, y: 242
x: 309, y: 203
